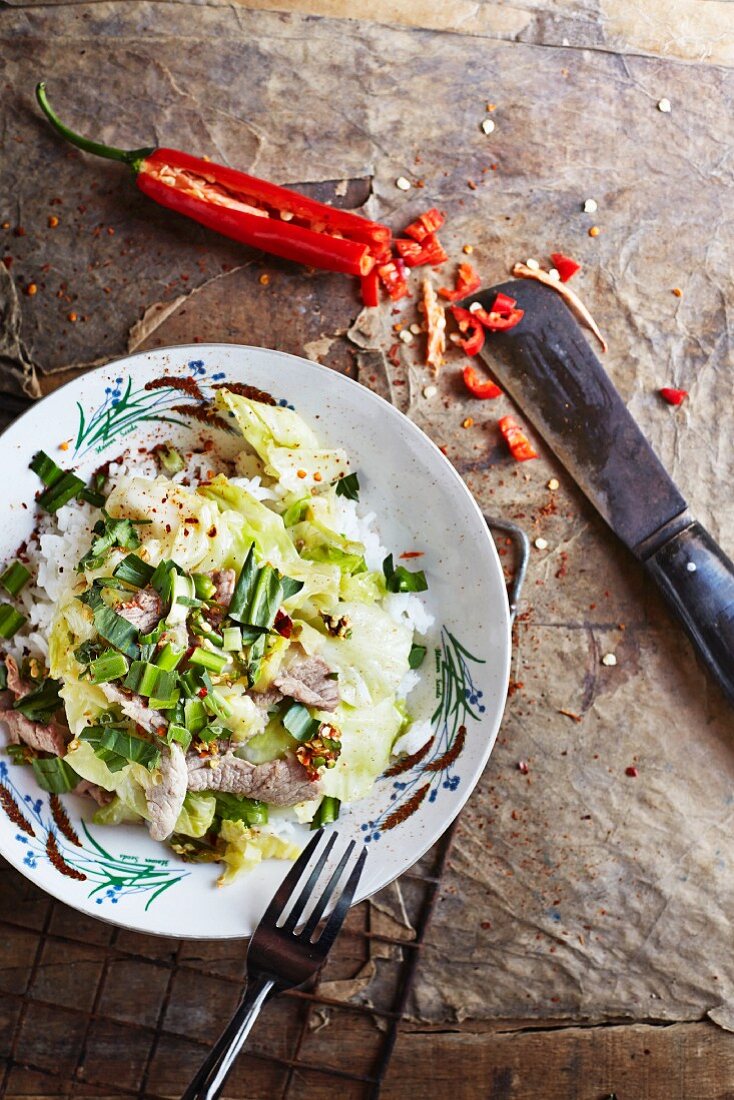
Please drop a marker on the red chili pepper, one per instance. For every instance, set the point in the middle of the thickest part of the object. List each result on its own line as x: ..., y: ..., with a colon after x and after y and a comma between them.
x: 467, y: 281
x: 371, y: 288
x: 565, y: 266
x: 426, y: 224
x: 503, y: 303
x: 673, y: 397
x: 283, y: 624
x: 415, y: 254
x: 520, y: 446
x: 392, y: 275
x: 469, y: 325
x: 243, y: 207
x: 483, y: 388
x: 499, y: 322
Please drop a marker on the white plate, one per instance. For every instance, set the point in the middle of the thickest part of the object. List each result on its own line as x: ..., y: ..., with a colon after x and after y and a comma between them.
x: 120, y: 874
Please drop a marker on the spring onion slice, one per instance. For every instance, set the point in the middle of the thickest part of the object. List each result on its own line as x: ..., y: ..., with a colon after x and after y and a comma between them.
x: 46, y: 468
x: 42, y: 703
x: 195, y: 715
x: 110, y: 665
x: 170, y: 460
x: 417, y: 655
x: 169, y: 657
x: 215, y: 662
x: 327, y: 812
x: 91, y: 496
x: 231, y: 639
x: 131, y: 748
x: 233, y: 807
x: 53, y: 774
x: 10, y: 620
x: 179, y: 734
x: 15, y: 577
x: 60, y: 492
x: 117, y: 631
x: 296, y: 511
x: 204, y: 586
x: 133, y: 570
x: 299, y: 723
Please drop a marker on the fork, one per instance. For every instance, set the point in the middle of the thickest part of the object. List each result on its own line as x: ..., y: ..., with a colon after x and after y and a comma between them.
x: 279, y: 957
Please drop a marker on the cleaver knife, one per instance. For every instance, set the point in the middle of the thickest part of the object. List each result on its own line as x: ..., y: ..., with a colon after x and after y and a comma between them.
x: 547, y: 367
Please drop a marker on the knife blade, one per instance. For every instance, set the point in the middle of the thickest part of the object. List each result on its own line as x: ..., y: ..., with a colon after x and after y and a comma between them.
x: 547, y: 367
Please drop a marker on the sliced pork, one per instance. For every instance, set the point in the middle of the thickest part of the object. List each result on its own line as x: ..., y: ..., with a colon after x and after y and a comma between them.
x: 224, y: 581
x: 279, y: 782
x: 16, y: 683
x: 135, y: 707
x: 309, y: 680
x: 165, y: 798
x: 144, y: 610
x: 92, y: 790
x: 43, y: 737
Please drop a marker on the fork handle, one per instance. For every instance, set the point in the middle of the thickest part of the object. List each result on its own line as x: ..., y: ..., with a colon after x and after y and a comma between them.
x: 208, y: 1083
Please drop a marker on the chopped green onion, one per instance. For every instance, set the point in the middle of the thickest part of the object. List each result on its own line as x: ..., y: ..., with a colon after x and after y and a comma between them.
x: 417, y: 655
x: 299, y: 723
x: 327, y: 812
x: 401, y: 579
x: 133, y: 570
x: 232, y: 807
x: 162, y: 579
x: 189, y: 601
x: 182, y: 591
x: 110, y: 665
x: 15, y: 577
x: 53, y: 774
x: 169, y: 657
x: 201, y: 628
x: 42, y: 703
x: 131, y: 748
x: 10, y: 620
x: 204, y: 586
x: 215, y: 662
x: 169, y: 459
x: 196, y: 715
x: 165, y: 694
x: 213, y: 701
x: 97, y: 500
x: 347, y: 487
x: 20, y: 754
x: 244, y: 588
x: 46, y: 468
x: 231, y: 639
x: 210, y: 733
x: 179, y: 734
x: 116, y: 630
x: 60, y: 492
x: 296, y: 511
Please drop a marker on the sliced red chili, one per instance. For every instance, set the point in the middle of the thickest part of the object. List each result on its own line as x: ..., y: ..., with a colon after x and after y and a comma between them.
x: 499, y: 322
x: 245, y: 208
x: 426, y: 224
x: 673, y: 397
x: 467, y: 281
x: 415, y: 254
x: 392, y: 275
x: 520, y: 446
x: 503, y: 303
x: 565, y: 266
x: 482, y: 388
x: 370, y: 284
x: 473, y: 330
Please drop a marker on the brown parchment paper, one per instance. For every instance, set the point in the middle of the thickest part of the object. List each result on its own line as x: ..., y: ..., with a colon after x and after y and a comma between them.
x: 574, y: 890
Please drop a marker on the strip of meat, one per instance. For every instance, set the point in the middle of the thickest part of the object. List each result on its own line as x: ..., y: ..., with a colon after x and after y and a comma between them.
x: 144, y: 610
x: 43, y: 738
x: 92, y: 790
x: 224, y: 585
x: 135, y: 707
x: 16, y: 683
x: 165, y: 798
x: 266, y: 700
x: 279, y: 782
x: 309, y: 681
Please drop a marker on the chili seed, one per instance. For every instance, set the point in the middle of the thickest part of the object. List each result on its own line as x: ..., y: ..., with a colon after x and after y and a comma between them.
x: 467, y: 249
x: 53, y: 221
x: 402, y: 184
x: 488, y: 126
x: 532, y: 264
x: 430, y: 391
x: 301, y: 473
x: 522, y: 767
x: 554, y: 484
x: 317, y: 476
x: 468, y: 423
x: 678, y: 292
x: 590, y: 206
x: 609, y: 660
x: 406, y: 336
x: 73, y: 317
x: 416, y: 329
x: 264, y: 279
x: 541, y: 544
x: 594, y: 231
x: 664, y: 106
x: 31, y: 289
x: 554, y: 274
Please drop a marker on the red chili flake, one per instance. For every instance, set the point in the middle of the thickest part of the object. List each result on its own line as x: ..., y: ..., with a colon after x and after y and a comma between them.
x: 673, y: 397
x: 8, y: 261
x: 565, y: 266
x: 412, y: 554
x: 283, y: 624
x: 522, y: 767
x: 486, y: 924
x: 632, y: 772
x: 202, y: 693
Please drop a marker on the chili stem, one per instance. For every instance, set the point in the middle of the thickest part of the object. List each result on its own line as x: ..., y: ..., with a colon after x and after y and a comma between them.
x: 131, y: 157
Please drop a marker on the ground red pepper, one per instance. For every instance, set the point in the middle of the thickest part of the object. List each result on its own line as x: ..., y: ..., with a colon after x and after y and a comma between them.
x: 245, y: 208
x: 565, y: 266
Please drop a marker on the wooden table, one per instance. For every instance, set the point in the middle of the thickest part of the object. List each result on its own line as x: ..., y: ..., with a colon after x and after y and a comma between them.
x: 91, y: 1011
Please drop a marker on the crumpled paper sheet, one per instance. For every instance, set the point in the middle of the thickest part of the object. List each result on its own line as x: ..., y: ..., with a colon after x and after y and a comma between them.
x: 573, y: 891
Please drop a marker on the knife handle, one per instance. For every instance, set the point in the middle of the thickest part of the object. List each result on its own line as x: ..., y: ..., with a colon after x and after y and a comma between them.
x: 697, y: 580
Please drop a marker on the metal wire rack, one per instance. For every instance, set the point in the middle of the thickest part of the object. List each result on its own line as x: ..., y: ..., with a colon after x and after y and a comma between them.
x: 90, y: 1010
